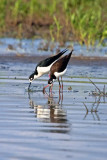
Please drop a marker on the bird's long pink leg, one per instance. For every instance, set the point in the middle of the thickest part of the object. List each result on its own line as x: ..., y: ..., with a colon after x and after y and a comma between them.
x: 50, y: 91
x: 59, y: 84
x: 59, y: 95
x: 62, y: 95
x: 45, y: 88
x: 51, y: 87
x: 62, y: 83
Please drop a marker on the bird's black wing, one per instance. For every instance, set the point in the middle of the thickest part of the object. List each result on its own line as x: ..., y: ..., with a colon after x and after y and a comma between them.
x: 60, y: 65
x: 48, y: 61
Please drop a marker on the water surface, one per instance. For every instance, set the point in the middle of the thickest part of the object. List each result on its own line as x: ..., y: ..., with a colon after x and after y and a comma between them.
x: 42, y: 47
x: 57, y: 126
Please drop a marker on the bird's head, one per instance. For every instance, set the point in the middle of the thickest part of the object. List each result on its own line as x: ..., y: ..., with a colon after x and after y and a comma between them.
x: 31, y: 77
x: 50, y: 81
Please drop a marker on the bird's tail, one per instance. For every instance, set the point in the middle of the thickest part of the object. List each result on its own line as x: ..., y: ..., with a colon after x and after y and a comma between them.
x: 66, y: 59
x: 69, y: 55
x: 61, y: 53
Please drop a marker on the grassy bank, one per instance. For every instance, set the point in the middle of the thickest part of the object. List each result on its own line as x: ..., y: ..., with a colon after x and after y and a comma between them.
x: 58, y: 20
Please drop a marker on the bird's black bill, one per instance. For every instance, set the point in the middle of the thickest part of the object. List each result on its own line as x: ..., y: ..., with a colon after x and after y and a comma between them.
x: 29, y: 85
x: 49, y: 89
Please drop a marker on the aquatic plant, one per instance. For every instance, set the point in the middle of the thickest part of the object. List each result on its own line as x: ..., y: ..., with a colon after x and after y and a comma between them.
x: 58, y: 28
x: 97, y: 91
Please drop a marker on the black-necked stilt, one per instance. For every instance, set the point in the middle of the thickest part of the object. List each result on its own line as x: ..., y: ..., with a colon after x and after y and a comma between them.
x: 58, y: 69
x: 44, y: 66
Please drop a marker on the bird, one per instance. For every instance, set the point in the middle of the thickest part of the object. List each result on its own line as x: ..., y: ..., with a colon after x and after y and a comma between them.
x: 44, y: 66
x: 58, y: 69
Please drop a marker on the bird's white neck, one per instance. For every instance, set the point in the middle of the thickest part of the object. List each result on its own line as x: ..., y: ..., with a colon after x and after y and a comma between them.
x: 38, y: 75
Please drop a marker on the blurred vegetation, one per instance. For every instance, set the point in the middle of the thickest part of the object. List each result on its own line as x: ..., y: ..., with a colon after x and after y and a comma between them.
x: 59, y: 20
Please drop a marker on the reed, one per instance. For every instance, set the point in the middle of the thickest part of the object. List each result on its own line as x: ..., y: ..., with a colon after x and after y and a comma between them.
x: 82, y: 20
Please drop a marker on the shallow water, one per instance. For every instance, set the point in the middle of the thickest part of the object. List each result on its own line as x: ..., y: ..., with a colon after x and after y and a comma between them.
x: 41, y: 126
x: 42, y: 47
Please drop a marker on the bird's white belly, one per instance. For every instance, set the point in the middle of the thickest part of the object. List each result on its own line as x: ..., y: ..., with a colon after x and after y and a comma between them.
x: 58, y: 74
x: 43, y: 70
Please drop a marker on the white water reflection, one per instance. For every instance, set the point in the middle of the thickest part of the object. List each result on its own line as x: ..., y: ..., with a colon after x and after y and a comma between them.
x: 51, y: 111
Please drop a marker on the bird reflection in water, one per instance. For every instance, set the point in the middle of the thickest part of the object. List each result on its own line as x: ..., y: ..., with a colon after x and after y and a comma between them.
x: 51, y: 111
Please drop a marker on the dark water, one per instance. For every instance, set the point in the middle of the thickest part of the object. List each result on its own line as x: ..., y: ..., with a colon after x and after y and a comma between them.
x: 48, y: 127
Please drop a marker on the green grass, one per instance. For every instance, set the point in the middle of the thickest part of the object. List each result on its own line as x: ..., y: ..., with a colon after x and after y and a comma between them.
x: 63, y: 20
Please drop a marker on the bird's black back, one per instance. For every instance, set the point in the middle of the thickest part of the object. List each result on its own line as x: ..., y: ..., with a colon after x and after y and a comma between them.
x: 50, y: 60
x: 65, y: 61
x: 60, y: 65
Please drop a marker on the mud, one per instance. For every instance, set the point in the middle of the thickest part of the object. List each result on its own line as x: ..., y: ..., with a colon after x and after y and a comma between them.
x: 79, y: 60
